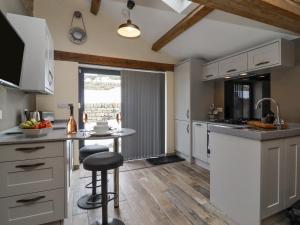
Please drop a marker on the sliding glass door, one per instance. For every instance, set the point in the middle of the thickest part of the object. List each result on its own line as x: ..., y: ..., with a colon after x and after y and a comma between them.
x: 100, y: 98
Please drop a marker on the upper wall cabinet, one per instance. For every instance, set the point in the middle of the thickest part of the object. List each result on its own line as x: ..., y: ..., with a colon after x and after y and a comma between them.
x: 38, y: 60
x: 210, y: 71
x: 276, y: 54
x: 233, y: 65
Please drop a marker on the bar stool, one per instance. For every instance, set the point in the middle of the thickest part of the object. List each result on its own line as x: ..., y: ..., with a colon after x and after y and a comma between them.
x: 91, y: 201
x: 103, y: 162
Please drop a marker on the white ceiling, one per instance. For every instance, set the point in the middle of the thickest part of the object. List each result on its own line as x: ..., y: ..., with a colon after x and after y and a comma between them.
x: 217, y: 35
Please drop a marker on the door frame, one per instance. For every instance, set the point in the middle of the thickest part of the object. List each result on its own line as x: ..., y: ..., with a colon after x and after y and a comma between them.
x: 81, y: 71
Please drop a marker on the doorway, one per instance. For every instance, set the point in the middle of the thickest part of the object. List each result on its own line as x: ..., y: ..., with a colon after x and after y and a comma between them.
x: 100, y: 99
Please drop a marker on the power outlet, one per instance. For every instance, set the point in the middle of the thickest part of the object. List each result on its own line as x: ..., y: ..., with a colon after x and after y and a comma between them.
x: 0, y: 114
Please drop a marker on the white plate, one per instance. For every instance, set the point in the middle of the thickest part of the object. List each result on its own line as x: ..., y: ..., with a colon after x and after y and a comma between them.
x: 107, y: 133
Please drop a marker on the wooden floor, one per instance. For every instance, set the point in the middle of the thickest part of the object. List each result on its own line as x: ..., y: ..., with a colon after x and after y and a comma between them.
x: 176, y: 193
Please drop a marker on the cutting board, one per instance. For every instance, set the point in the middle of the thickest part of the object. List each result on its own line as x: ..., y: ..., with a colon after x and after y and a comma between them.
x: 259, y: 124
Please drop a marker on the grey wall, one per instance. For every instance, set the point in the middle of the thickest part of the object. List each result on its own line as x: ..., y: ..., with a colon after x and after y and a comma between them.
x: 12, y: 6
x: 285, y: 89
x: 12, y: 104
x: 13, y: 101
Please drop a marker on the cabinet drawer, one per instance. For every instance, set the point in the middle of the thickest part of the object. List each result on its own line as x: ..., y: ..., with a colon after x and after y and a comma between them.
x: 32, y: 209
x: 264, y: 57
x: 210, y: 71
x: 233, y: 65
x: 31, y: 151
x: 29, y: 176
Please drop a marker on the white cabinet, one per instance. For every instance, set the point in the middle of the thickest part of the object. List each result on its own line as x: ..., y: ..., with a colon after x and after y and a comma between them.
x: 272, y: 172
x: 280, y: 53
x: 200, y: 141
x: 210, y: 71
x: 292, y: 170
x: 32, y: 209
x: 38, y: 60
x: 272, y: 55
x: 192, y: 101
x: 182, y: 91
x: 264, y: 57
x: 280, y: 175
x: 34, y: 183
x: 233, y: 65
x: 182, y: 138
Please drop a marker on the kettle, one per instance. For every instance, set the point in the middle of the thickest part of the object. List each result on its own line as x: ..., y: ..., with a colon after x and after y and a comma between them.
x: 32, y: 115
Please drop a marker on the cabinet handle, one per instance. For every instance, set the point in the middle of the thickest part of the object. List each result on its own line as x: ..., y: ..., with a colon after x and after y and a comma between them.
x: 188, y: 113
x: 232, y: 70
x: 30, y: 165
x: 198, y: 124
x: 210, y: 75
x: 29, y: 200
x: 188, y: 128
x: 31, y: 149
x: 262, y: 63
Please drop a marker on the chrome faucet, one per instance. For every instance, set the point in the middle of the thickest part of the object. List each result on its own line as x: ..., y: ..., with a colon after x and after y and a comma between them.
x: 278, y: 120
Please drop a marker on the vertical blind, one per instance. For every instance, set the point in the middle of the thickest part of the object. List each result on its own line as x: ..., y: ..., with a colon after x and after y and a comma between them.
x: 142, y: 107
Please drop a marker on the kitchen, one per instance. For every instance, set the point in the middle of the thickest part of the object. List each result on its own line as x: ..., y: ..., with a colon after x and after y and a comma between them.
x: 199, y: 111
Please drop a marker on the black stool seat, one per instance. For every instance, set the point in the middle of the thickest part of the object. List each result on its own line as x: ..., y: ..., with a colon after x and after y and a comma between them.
x: 92, y: 149
x: 103, y: 161
x: 93, y: 200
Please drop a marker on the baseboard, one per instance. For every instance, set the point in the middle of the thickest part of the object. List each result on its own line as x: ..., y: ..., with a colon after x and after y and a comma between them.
x: 187, y: 158
x: 201, y: 164
x: 76, y: 167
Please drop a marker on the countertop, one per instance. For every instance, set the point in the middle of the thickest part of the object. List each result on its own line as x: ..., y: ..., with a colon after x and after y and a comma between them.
x: 57, y: 135
x: 255, y: 134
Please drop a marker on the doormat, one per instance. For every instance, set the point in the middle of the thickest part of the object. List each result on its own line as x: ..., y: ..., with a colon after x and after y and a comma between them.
x: 164, y: 160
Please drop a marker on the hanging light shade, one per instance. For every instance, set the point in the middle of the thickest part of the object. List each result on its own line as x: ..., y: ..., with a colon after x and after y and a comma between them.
x: 129, y: 30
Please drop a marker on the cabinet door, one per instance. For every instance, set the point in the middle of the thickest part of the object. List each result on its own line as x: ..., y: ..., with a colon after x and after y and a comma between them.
x: 182, y: 91
x: 272, y: 195
x: 292, y: 172
x: 264, y: 57
x: 200, y: 141
x: 182, y: 137
x: 210, y: 71
x: 233, y: 65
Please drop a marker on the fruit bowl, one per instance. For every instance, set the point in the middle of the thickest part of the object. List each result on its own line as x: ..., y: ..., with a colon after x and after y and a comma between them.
x: 33, y: 128
x: 36, y: 132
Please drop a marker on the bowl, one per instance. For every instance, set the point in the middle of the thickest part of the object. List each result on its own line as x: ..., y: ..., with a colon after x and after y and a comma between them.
x: 36, y: 132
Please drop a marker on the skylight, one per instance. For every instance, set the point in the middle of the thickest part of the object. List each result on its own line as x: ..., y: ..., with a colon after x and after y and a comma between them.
x: 178, y: 5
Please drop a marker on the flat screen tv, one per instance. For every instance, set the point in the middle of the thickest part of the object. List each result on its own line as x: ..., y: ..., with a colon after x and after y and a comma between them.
x: 12, y: 50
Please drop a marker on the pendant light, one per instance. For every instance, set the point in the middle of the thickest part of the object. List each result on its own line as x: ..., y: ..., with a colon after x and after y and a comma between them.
x: 128, y: 29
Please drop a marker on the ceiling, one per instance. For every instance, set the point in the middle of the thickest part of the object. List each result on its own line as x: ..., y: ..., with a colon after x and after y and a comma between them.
x: 215, y: 36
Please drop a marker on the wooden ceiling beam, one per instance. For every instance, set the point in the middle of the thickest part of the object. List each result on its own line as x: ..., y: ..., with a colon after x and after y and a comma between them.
x: 95, y: 6
x: 192, y: 18
x: 279, y: 13
x: 113, y: 62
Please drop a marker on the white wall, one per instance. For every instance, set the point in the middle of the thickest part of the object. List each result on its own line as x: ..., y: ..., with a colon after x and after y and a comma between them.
x: 66, y: 92
x: 102, y: 40
x: 102, y: 36
x: 169, y: 113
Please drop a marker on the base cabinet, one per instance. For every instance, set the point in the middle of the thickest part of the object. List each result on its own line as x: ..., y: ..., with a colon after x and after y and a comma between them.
x: 182, y: 138
x: 280, y: 175
x: 199, y: 150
